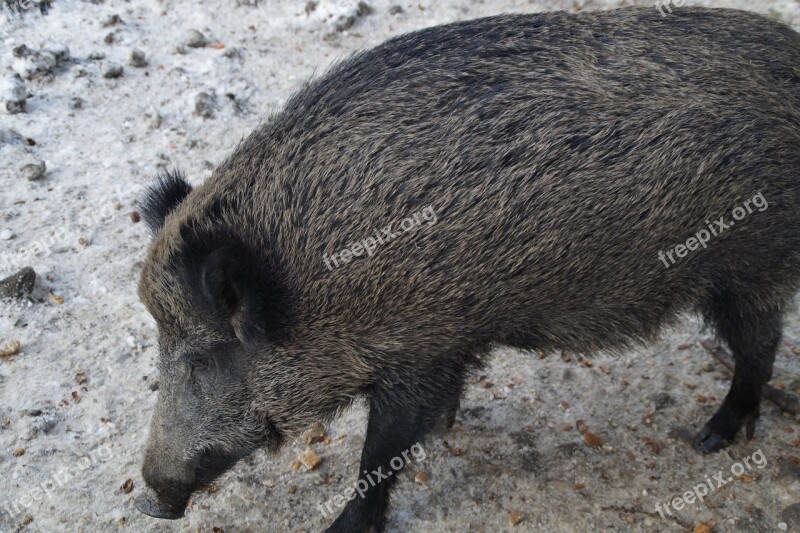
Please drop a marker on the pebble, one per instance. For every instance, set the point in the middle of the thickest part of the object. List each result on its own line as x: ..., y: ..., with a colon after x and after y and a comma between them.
x: 204, y: 105
x: 13, y: 95
x: 138, y: 58
x: 19, y: 285
x: 395, y: 10
x: 112, y: 70
x: 153, y: 119
x: 30, y: 63
x: 5, y: 235
x: 33, y: 171
x: 76, y: 102
x: 195, y: 39
x: 60, y: 51
x: 112, y: 20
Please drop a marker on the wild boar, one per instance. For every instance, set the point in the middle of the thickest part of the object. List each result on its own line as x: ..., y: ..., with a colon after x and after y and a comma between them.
x: 588, y: 174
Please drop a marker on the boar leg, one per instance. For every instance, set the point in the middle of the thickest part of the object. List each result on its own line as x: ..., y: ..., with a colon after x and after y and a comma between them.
x: 753, y: 334
x: 399, y: 419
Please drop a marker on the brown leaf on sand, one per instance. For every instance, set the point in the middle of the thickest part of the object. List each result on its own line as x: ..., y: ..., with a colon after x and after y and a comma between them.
x: 592, y: 440
x: 514, y: 518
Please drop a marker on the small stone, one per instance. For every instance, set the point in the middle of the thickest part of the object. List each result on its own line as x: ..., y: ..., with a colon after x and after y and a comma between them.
x: 138, y: 58
x: 195, y: 39
x: 60, y: 51
x: 135, y: 217
x: 34, y: 171
x: 112, y: 70
x: 112, y: 20
x: 76, y: 102
x: 19, y: 452
x: 153, y: 119
x: 364, y: 9
x: 19, y: 285
x: 97, y: 56
x: 21, y: 51
x: 395, y: 10
x: 204, y: 105
x: 110, y: 38
x: 421, y: 478
x: 13, y: 95
x: 6, y: 235
x: 344, y: 23
x: 311, y: 6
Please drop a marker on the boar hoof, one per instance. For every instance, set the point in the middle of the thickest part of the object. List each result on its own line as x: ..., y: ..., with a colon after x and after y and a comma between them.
x: 720, y: 431
x: 149, y: 506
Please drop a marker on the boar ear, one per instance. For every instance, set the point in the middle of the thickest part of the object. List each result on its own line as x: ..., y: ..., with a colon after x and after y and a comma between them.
x: 162, y: 196
x: 233, y: 285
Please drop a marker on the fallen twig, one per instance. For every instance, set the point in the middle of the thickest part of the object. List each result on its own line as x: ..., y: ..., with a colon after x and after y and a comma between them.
x: 787, y: 402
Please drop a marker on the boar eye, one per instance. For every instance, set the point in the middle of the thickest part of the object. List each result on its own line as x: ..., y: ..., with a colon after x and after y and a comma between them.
x: 199, y: 363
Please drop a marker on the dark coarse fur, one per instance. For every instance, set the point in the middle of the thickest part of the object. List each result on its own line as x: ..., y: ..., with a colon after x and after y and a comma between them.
x: 561, y: 153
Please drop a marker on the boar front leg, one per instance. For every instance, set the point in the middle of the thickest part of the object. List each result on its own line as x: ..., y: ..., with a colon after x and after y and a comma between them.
x: 399, y: 419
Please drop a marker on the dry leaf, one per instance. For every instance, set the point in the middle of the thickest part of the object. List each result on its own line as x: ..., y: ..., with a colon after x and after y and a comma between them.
x: 309, y: 459
x: 9, y: 348
x: 592, y: 440
x: 127, y: 486
x: 58, y: 300
x: 701, y: 528
x: 18, y: 452
x: 514, y: 518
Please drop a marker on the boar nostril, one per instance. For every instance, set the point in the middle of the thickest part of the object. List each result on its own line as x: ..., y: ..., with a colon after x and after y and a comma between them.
x: 146, y: 503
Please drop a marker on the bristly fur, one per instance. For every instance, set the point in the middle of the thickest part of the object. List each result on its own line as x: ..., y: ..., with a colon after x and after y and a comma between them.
x: 560, y: 152
x: 162, y: 196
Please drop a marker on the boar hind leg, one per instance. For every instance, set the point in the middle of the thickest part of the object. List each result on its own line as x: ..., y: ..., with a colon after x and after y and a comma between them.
x: 752, y: 330
x: 399, y: 419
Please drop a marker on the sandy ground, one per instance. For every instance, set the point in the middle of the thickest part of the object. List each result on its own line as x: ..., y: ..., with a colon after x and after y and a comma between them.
x: 77, y: 396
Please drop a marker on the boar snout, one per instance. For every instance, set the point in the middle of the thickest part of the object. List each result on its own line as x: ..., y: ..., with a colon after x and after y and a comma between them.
x: 170, y: 483
x: 149, y: 504
x: 172, y: 479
